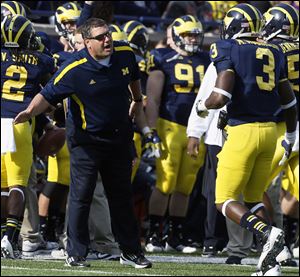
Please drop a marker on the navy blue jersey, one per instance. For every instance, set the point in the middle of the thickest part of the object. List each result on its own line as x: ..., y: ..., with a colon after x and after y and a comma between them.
x: 62, y: 56
x: 258, y: 68
x: 21, y: 79
x: 98, y: 95
x: 183, y: 75
x: 155, y: 57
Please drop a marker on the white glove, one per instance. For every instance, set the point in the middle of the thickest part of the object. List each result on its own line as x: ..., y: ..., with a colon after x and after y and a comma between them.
x: 287, y: 144
x: 201, y: 109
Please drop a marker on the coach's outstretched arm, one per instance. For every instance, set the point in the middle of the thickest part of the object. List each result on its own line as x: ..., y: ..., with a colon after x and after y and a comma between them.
x: 37, y: 106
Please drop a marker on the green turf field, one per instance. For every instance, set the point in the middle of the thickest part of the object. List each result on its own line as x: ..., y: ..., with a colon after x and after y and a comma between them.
x: 103, y: 268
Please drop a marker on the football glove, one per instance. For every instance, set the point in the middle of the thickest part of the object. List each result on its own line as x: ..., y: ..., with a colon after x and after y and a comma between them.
x: 201, y: 109
x: 287, y: 144
x: 151, y: 145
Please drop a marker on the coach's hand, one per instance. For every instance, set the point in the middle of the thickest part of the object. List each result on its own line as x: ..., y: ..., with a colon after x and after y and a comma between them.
x: 22, y: 117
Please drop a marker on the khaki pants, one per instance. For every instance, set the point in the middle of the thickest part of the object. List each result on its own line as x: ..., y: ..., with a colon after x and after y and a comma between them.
x: 240, y: 239
x: 30, y: 226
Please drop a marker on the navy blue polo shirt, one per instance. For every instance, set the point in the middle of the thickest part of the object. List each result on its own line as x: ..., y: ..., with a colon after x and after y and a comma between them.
x: 98, y: 95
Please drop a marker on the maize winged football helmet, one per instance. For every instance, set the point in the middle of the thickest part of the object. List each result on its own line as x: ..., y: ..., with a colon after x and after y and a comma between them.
x: 11, y: 8
x: 281, y: 21
x: 68, y: 12
x: 243, y: 20
x: 137, y: 35
x: 17, y: 32
x: 184, y: 25
x: 117, y: 33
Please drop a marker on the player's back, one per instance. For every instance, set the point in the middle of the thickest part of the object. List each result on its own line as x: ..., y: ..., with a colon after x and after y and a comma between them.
x: 21, y: 77
x: 258, y: 69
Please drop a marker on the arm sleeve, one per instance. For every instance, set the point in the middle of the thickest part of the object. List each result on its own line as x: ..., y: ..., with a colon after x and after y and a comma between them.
x: 197, y: 126
x: 220, y: 55
x: 55, y: 92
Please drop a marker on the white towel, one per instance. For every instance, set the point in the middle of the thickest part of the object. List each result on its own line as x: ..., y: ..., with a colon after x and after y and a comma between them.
x: 7, y: 136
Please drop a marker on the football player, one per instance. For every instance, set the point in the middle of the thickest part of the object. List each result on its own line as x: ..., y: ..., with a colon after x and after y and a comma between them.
x: 138, y: 39
x: 23, y: 70
x: 282, y: 28
x: 171, y: 92
x: 253, y: 94
x: 66, y: 17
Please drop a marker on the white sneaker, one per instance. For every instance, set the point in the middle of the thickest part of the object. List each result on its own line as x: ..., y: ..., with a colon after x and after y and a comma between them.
x: 274, y: 271
x: 180, y: 248
x: 30, y: 249
x: 6, y: 249
x: 59, y: 254
x: 271, y: 249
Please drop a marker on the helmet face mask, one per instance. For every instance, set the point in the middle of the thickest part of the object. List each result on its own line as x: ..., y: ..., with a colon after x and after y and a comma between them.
x: 243, y: 20
x: 187, y: 33
x: 281, y: 21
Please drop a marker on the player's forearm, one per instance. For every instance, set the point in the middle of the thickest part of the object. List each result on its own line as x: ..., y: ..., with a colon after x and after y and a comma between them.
x: 216, y: 101
x: 38, y: 105
x: 291, y: 119
x: 152, y: 113
x: 136, y: 91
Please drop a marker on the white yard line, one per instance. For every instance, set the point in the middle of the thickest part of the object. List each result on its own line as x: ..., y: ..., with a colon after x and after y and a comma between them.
x: 75, y: 271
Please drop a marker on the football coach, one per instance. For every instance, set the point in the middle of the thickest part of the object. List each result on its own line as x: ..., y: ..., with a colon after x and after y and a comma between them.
x: 98, y: 81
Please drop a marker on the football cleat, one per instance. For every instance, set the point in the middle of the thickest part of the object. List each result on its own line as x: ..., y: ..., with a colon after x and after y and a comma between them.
x: 272, y: 249
x: 153, y: 244
x: 6, y: 249
x: 274, y: 271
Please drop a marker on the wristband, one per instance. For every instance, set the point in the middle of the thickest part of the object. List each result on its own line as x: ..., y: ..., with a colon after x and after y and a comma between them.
x: 291, y: 137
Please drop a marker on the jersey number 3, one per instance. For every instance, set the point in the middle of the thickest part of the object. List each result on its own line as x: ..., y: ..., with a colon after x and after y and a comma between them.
x: 267, y: 68
x: 16, y: 84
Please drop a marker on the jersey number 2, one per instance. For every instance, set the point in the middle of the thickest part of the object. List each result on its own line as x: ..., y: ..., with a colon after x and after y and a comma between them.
x: 17, y: 84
